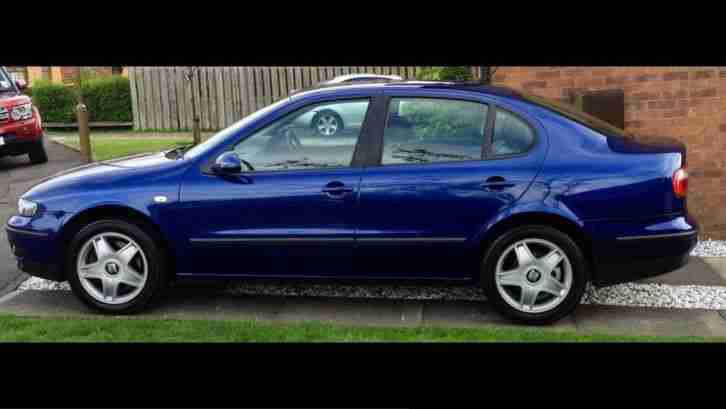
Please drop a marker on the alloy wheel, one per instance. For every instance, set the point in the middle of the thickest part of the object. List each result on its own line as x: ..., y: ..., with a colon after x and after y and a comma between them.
x: 533, y: 275
x: 327, y: 125
x: 112, y: 268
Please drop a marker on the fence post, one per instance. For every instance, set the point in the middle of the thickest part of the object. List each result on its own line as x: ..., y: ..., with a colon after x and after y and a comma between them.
x: 196, y: 133
x: 84, y: 133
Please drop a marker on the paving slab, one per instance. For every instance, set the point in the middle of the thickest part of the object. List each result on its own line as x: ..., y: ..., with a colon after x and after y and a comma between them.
x: 472, y: 314
x: 698, y: 271
x: 717, y: 264
x: 648, y: 321
x: 376, y: 312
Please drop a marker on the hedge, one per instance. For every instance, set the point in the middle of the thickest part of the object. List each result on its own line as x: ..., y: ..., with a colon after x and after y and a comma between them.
x: 446, y: 73
x: 56, y: 102
x: 108, y: 99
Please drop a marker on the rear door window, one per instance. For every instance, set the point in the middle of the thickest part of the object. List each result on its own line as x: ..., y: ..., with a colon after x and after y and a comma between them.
x: 426, y: 130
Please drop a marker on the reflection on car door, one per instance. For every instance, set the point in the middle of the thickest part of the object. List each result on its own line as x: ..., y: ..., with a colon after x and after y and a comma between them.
x: 294, y: 215
x: 432, y: 192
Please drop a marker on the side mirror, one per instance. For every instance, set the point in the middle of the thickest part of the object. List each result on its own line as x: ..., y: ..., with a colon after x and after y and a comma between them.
x: 227, y: 163
x: 21, y: 84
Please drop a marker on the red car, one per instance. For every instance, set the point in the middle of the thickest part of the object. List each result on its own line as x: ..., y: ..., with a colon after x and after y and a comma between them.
x: 21, y: 130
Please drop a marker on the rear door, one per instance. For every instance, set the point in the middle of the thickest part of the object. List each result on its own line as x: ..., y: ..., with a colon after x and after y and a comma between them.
x: 447, y: 163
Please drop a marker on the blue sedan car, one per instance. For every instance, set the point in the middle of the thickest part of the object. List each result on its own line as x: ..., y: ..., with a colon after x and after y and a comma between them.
x: 436, y: 181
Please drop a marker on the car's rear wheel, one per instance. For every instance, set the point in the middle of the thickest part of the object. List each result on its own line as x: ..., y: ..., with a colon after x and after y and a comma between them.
x: 37, y: 153
x: 115, y: 267
x: 534, y: 274
x: 327, y: 123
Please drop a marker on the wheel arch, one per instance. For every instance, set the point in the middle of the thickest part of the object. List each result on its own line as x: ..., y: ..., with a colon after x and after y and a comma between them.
x: 557, y: 221
x: 118, y: 212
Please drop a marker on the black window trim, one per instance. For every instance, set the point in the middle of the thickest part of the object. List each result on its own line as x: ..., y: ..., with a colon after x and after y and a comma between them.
x: 376, y: 152
x: 356, y: 161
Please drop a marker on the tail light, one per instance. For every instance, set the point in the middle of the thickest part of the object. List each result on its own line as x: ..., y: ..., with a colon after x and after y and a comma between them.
x: 680, y: 183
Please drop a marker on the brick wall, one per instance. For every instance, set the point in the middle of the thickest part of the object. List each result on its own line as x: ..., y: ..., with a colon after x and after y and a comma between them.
x: 688, y: 103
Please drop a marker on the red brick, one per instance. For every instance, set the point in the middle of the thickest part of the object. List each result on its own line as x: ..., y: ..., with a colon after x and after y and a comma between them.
x: 674, y: 113
x: 601, y: 71
x: 547, y: 74
x: 645, y: 95
x: 670, y: 76
x: 703, y: 93
x: 661, y: 104
x: 573, y: 72
x: 534, y: 84
x: 616, y: 80
x: 645, y: 77
x: 681, y: 93
x: 702, y: 74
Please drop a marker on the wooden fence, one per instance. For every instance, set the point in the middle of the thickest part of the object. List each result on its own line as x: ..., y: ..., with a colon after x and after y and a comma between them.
x: 161, y: 96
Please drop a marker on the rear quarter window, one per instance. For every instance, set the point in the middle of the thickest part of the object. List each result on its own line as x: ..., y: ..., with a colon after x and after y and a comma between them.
x: 512, y: 135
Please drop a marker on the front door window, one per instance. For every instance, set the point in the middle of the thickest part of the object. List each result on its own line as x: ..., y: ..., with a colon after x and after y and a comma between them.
x: 315, y: 137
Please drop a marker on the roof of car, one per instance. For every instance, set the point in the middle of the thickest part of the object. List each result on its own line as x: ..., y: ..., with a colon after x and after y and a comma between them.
x: 475, y: 86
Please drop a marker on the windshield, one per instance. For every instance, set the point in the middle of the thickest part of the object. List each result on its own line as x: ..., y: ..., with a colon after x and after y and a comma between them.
x: 234, y: 128
x: 576, y: 115
x: 5, y: 84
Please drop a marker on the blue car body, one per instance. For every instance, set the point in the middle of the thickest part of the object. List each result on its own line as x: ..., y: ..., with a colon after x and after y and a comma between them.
x: 407, y: 221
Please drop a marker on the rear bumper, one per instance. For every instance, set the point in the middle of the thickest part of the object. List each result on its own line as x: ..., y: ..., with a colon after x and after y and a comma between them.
x: 642, y: 249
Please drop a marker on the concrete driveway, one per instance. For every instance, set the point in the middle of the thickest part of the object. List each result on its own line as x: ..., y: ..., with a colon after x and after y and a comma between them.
x: 16, y: 176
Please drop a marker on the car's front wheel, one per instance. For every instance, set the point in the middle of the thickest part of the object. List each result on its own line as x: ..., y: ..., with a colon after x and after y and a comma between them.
x: 534, y: 274
x: 37, y: 153
x: 114, y: 266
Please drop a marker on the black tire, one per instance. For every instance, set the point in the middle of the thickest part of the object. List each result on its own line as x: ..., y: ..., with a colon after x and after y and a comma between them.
x: 565, y: 243
x: 155, y: 260
x: 37, y: 153
x: 316, y: 118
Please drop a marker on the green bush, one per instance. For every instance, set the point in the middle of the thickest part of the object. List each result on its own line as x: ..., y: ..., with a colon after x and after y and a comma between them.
x: 107, y: 98
x: 447, y: 73
x: 56, y: 102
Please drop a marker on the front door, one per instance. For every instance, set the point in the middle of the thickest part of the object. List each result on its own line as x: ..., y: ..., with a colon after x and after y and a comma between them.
x: 436, y: 186
x: 291, y: 212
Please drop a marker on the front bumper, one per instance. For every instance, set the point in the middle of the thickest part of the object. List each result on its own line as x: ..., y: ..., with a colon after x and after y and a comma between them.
x: 34, y: 252
x: 13, y: 145
x: 19, y: 136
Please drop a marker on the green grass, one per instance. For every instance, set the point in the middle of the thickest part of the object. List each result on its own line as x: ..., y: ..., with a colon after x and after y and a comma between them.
x: 109, y: 148
x: 110, y: 143
x: 22, y: 329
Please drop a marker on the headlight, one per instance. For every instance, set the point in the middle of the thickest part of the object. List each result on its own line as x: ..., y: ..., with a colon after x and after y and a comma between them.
x: 27, y: 208
x: 21, y: 112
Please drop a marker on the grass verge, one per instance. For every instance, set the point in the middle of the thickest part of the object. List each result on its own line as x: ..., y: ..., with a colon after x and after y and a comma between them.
x: 111, y: 144
x: 25, y: 329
